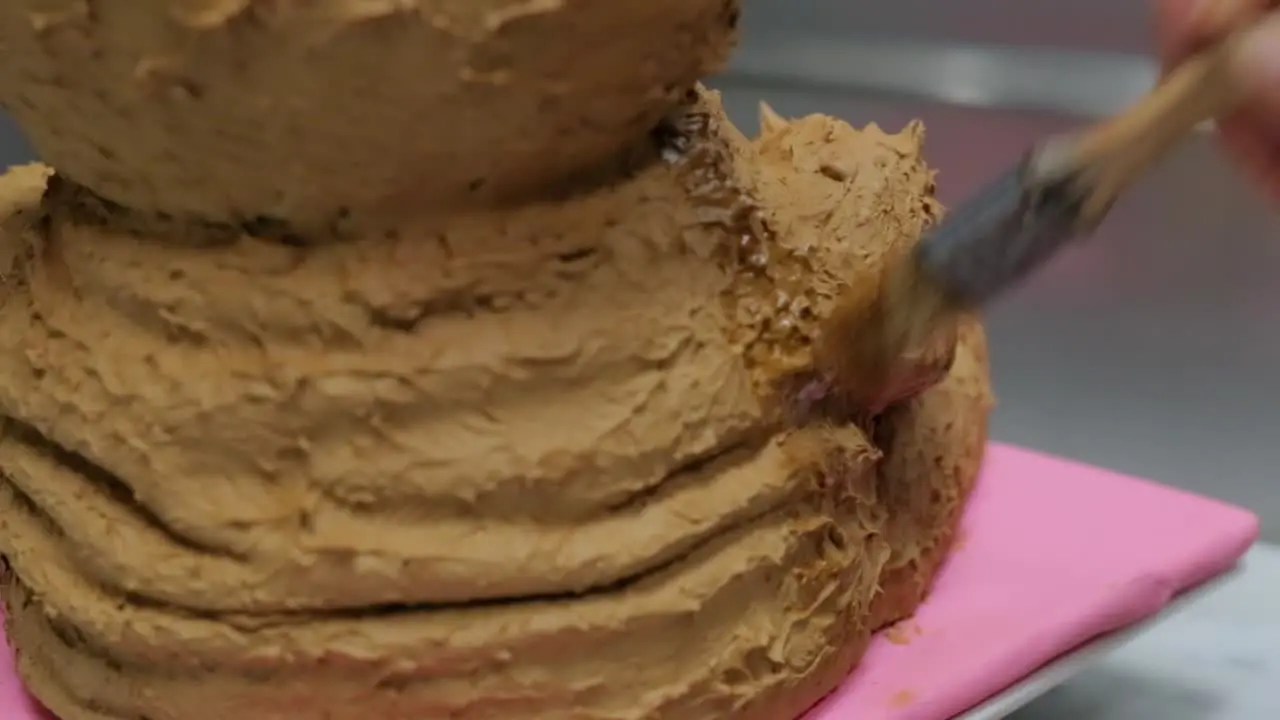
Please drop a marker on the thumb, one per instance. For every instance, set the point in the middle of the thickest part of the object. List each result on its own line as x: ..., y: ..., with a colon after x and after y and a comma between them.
x: 1258, y: 69
x: 1176, y: 29
x: 1185, y: 26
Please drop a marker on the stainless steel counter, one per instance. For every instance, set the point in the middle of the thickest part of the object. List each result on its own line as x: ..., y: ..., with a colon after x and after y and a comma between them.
x: 1213, y: 659
x: 1109, y: 25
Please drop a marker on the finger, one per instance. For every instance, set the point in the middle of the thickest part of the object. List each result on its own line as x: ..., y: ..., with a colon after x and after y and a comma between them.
x: 1254, y: 144
x: 1174, y: 28
x: 1185, y: 26
x: 1257, y: 69
x: 1218, y: 17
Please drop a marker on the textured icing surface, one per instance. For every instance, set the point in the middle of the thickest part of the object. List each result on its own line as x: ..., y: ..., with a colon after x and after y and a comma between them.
x: 504, y: 462
x: 345, y: 112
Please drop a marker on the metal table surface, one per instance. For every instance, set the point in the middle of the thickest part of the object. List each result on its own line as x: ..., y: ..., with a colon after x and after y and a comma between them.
x: 1214, y: 659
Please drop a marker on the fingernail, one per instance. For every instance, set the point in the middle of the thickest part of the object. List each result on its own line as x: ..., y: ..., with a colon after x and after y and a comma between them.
x: 1259, y: 62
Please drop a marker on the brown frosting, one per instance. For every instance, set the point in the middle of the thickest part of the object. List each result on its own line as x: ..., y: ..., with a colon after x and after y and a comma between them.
x: 563, y: 457
x: 346, y: 113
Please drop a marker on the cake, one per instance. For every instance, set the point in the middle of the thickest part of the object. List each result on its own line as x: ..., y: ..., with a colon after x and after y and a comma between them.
x: 301, y: 421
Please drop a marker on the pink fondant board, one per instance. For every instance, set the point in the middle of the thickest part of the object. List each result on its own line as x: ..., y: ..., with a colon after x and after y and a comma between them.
x: 1051, y: 555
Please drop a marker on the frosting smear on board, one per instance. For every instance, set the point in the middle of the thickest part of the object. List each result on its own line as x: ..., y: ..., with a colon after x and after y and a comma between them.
x: 572, y: 455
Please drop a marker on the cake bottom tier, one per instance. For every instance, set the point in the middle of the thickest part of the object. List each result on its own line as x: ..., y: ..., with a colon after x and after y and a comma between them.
x: 757, y: 624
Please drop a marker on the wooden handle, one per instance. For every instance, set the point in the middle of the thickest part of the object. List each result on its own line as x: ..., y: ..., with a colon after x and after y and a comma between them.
x: 1111, y: 155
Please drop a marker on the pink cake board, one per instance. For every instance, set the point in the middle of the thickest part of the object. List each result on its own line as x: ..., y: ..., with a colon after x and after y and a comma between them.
x: 1051, y: 555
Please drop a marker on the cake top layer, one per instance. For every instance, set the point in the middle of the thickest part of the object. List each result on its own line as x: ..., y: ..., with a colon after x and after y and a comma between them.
x: 347, y: 112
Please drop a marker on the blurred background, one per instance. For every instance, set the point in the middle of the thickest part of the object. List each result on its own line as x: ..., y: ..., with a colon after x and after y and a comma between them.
x: 1151, y: 348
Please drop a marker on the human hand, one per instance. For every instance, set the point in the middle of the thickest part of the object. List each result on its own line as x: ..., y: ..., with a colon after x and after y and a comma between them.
x: 1250, y: 134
